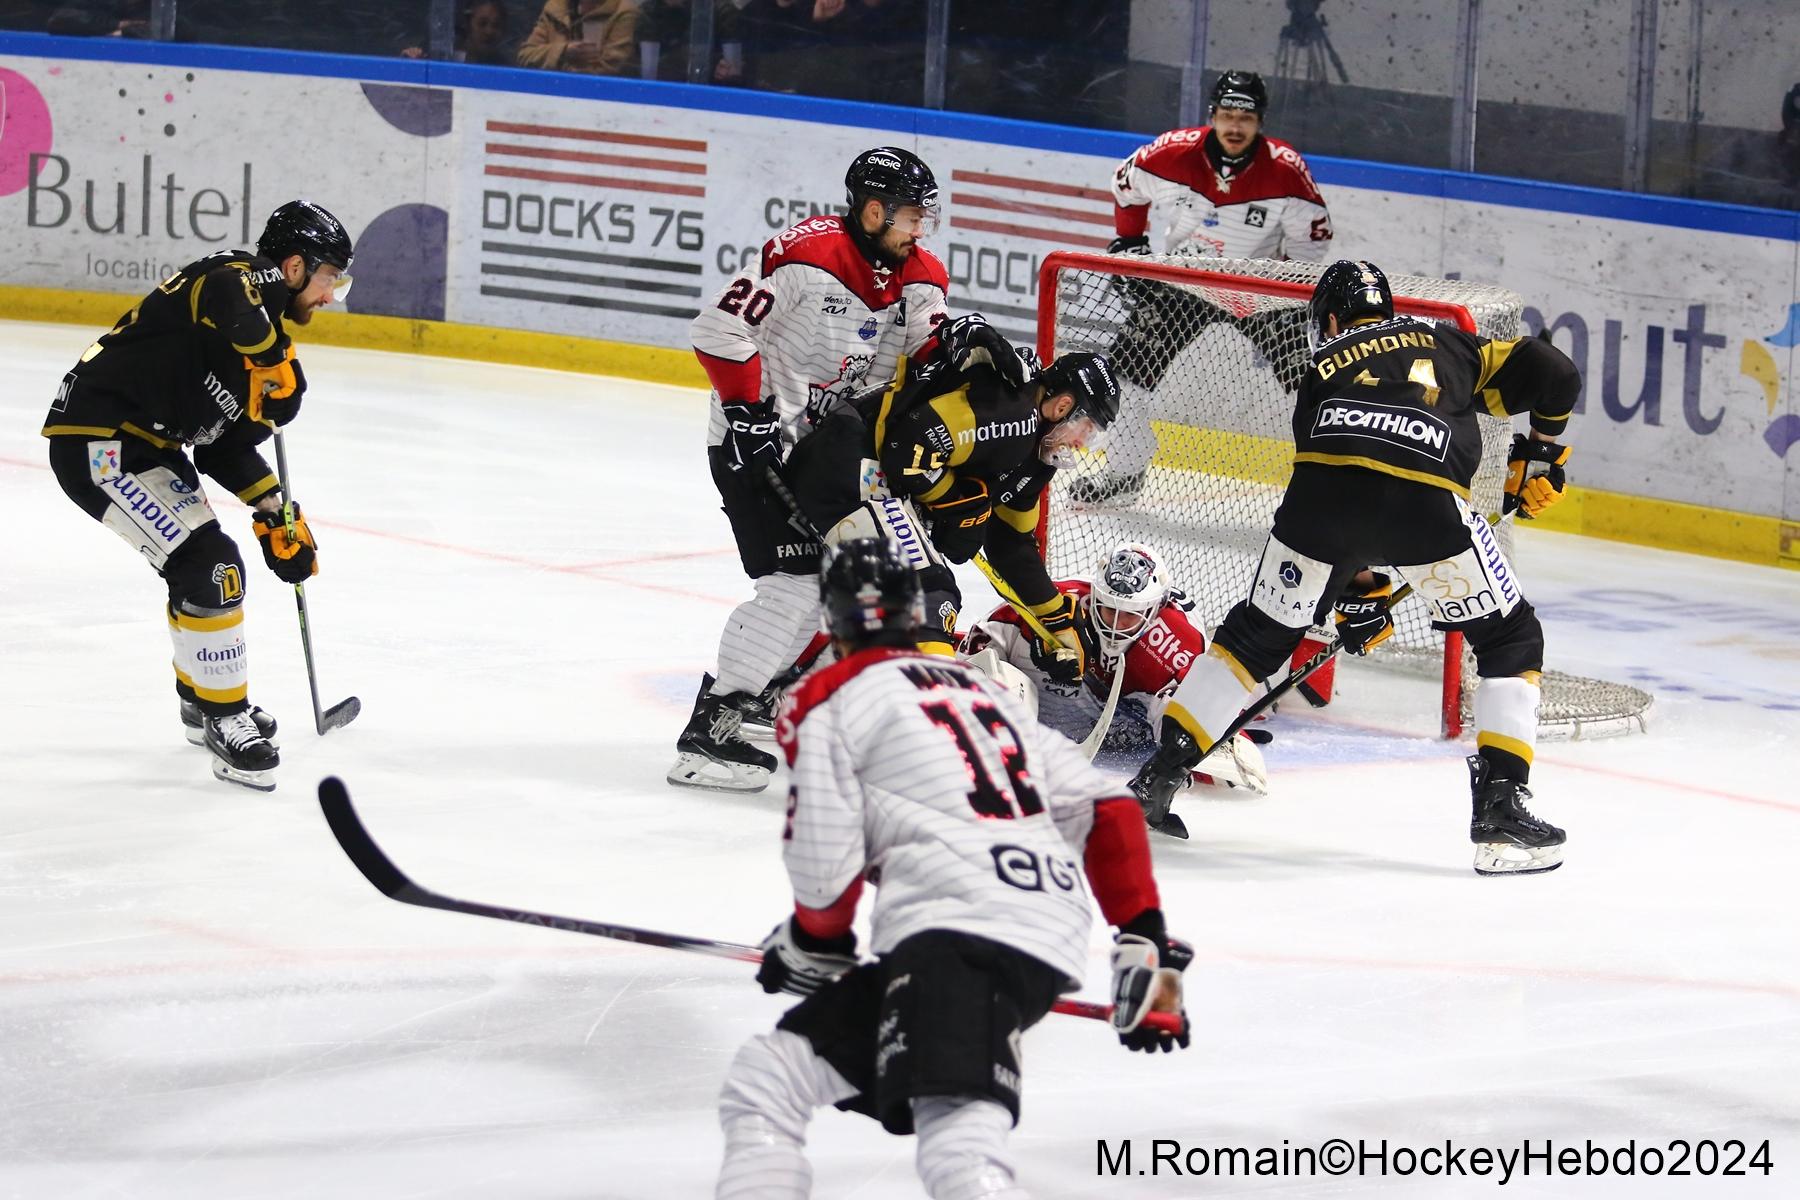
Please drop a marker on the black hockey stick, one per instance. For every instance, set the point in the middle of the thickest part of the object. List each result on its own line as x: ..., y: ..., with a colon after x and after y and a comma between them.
x: 796, y: 515
x: 344, y: 711
x: 390, y: 881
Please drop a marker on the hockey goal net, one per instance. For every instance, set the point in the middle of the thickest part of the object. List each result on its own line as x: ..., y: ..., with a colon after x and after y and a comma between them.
x: 1223, y: 341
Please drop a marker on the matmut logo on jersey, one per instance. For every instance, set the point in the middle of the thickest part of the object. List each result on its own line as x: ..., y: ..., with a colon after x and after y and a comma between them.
x: 1409, y: 428
x: 994, y: 430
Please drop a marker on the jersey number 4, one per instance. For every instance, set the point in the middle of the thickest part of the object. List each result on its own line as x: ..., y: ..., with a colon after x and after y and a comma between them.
x: 1018, y: 796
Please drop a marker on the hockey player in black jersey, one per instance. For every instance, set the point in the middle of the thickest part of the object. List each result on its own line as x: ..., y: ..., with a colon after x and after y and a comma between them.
x: 971, y: 453
x: 204, y: 360
x: 1386, y: 444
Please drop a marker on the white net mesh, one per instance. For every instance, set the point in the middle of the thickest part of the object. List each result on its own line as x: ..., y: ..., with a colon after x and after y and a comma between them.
x: 1212, y: 362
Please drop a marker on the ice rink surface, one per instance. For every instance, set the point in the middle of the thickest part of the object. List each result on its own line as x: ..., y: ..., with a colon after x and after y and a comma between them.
x: 522, y: 575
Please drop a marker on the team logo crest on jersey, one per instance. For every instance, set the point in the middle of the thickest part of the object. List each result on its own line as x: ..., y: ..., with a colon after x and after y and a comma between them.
x: 103, y: 461
x: 1290, y: 574
x: 1256, y: 215
x: 867, y: 329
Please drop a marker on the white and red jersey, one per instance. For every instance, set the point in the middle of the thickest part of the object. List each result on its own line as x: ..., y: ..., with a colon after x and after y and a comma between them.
x: 812, y: 321
x: 1268, y: 209
x: 920, y: 774
x: 1153, y: 664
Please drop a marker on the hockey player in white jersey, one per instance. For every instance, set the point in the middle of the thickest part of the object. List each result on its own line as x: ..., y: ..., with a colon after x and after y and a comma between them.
x: 1226, y: 190
x: 980, y: 826
x: 830, y: 305
x: 1131, y: 620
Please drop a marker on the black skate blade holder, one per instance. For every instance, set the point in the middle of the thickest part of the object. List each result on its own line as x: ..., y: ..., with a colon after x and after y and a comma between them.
x: 348, y: 709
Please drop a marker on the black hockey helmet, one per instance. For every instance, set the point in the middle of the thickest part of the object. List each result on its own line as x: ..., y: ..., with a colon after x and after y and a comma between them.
x: 1090, y: 379
x: 1240, y: 90
x: 1349, y: 291
x: 893, y: 176
x: 302, y: 227
x: 870, y: 593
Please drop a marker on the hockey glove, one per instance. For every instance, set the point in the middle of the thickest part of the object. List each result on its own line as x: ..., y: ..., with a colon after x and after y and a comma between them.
x: 293, y: 559
x: 1063, y: 659
x: 959, y: 521
x: 1534, y: 475
x: 275, y: 391
x: 1146, y: 979
x: 752, y: 437
x: 1364, y: 616
x: 1129, y: 244
x: 796, y: 962
x: 969, y: 341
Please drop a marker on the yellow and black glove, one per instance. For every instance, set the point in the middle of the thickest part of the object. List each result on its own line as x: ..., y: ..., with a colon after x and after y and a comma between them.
x: 959, y: 521
x: 1063, y: 658
x: 293, y: 559
x: 1364, y: 614
x: 275, y: 390
x: 1534, y: 475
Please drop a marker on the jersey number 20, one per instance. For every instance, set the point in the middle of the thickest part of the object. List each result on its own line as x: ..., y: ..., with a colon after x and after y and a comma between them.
x: 989, y: 797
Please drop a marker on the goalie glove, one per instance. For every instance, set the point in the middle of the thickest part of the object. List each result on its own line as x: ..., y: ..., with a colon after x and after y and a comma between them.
x: 293, y: 559
x: 1534, y: 475
x: 752, y: 437
x: 1129, y: 244
x: 959, y: 521
x: 969, y: 341
x: 1146, y: 979
x: 1364, y: 614
x: 796, y: 962
x: 1063, y: 658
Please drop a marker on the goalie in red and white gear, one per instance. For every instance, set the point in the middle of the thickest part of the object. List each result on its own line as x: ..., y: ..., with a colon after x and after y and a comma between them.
x: 1132, y: 620
x: 986, y: 833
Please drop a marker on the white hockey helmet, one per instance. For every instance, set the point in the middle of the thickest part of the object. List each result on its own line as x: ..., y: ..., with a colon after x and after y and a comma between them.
x: 1130, y: 588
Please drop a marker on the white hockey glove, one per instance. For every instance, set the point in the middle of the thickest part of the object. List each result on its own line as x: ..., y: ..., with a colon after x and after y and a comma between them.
x: 1147, y: 980
x: 796, y: 962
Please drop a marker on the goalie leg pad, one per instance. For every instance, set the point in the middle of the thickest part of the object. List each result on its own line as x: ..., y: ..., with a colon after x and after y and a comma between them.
x: 962, y: 1152
x: 770, y: 1092
x: 1009, y: 677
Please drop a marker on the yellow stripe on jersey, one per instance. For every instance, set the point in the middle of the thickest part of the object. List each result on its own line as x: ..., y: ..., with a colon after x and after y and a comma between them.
x: 255, y: 491
x: 1023, y: 520
x: 936, y: 491
x: 1374, y: 464
x: 77, y: 431
x: 1493, y: 357
x: 259, y: 347
x: 161, y: 443
x: 958, y: 416
x: 887, y: 403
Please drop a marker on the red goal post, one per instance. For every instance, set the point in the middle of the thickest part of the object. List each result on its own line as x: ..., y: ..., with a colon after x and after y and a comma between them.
x: 1223, y: 341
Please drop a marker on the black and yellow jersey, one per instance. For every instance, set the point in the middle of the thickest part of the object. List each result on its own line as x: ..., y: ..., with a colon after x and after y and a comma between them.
x: 938, y: 431
x: 173, y: 370
x: 1404, y: 397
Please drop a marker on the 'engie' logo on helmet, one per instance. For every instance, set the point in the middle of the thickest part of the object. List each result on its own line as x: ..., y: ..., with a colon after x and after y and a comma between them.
x: 884, y: 160
x: 1414, y: 430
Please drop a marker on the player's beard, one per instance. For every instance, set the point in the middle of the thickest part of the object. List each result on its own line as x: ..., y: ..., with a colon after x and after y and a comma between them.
x: 895, y: 246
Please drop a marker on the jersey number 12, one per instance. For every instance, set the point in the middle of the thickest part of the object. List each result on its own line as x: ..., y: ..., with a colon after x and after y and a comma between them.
x: 989, y: 797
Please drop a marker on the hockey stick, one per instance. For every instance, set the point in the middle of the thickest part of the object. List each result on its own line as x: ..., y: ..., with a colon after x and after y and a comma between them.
x: 796, y: 515
x: 1090, y: 746
x: 390, y: 881
x: 344, y: 711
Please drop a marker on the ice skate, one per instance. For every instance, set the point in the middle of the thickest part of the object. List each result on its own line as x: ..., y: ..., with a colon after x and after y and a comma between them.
x: 1508, y: 839
x: 193, y: 724
x: 712, y: 753
x: 241, y: 754
x: 1165, y: 773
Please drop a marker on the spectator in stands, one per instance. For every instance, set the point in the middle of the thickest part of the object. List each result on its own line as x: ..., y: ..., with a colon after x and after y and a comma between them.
x: 102, y: 18
x: 663, y: 39
x: 594, y: 37
x: 480, y: 35
x: 790, y: 43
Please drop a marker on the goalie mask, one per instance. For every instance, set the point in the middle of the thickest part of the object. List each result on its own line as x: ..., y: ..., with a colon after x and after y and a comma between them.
x: 1130, y: 588
x: 870, y: 593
